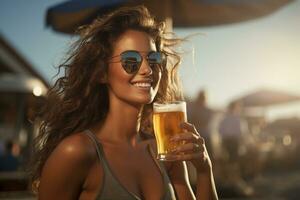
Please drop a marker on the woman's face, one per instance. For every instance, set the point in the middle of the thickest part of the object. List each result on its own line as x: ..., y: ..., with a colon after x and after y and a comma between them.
x: 138, y: 88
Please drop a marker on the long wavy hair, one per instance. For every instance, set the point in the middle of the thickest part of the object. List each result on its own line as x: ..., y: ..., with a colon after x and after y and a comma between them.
x: 78, y: 99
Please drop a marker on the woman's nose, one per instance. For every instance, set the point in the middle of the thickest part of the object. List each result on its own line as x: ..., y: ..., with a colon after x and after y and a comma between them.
x: 145, y: 68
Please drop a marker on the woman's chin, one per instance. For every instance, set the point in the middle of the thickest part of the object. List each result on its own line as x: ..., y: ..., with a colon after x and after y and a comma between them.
x: 145, y: 97
x: 144, y: 101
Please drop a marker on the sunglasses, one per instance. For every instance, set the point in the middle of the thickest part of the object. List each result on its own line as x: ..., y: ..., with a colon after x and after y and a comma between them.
x: 131, y: 60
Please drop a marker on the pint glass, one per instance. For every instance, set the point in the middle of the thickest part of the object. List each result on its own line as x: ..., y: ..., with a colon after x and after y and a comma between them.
x: 166, y: 121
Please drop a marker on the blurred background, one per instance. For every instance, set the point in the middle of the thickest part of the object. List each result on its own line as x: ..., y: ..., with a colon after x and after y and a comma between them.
x: 240, y: 73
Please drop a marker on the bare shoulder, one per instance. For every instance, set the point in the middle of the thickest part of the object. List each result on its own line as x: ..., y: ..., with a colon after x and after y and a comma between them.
x: 68, y: 165
x: 76, y: 150
x: 77, y: 146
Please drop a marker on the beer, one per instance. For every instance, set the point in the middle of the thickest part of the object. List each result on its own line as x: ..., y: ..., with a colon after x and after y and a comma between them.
x: 166, y: 120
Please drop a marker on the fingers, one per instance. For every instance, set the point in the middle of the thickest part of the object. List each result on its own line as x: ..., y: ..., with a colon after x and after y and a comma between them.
x: 189, y: 148
x: 189, y: 151
x: 188, y: 137
x: 192, y: 145
x: 189, y: 127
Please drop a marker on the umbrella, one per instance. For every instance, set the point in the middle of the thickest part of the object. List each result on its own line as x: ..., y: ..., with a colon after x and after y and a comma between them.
x: 69, y: 15
x: 265, y: 97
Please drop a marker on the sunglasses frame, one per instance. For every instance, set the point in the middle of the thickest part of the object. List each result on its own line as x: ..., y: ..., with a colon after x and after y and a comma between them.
x: 139, y: 53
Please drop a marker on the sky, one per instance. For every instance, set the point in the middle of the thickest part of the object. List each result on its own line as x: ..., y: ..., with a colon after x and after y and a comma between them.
x: 227, y: 61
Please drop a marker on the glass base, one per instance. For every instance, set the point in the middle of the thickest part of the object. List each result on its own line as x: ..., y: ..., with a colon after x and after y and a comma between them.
x: 164, y: 157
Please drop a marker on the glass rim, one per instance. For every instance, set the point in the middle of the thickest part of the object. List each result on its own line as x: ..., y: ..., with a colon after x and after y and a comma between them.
x: 170, y: 106
x: 169, y: 102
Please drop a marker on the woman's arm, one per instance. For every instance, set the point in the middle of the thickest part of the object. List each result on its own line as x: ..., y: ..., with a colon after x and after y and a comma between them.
x: 65, y: 170
x: 178, y: 175
x: 193, y: 150
x: 206, y: 188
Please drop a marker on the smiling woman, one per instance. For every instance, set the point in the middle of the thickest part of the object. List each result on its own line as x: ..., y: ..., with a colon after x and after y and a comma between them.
x: 136, y: 87
x: 97, y: 121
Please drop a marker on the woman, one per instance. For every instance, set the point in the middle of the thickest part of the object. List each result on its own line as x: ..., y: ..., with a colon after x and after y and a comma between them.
x: 92, y: 143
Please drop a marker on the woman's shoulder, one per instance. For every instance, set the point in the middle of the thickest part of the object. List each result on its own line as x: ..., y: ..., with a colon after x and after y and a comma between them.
x: 75, y: 149
x: 71, y: 162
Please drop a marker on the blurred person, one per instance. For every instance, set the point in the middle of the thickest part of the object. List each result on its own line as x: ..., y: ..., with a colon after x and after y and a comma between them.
x: 233, y: 130
x: 92, y: 142
x: 9, y: 159
x: 200, y: 115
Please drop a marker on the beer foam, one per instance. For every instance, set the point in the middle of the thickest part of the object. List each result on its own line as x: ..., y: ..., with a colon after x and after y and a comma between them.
x: 169, y: 107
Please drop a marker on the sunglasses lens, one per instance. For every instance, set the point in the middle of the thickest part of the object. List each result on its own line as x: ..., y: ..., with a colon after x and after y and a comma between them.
x: 131, y: 61
x: 156, y: 57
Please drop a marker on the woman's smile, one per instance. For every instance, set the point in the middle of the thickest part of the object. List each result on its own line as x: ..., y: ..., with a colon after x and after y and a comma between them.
x: 143, y: 84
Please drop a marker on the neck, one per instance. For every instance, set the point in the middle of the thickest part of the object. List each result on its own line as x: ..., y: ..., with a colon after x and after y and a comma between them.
x: 121, y: 124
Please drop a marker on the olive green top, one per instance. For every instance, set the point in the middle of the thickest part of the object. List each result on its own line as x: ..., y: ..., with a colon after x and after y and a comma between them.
x: 112, y: 189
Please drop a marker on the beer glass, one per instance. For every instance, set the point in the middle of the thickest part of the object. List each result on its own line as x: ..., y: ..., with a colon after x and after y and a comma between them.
x: 166, y: 121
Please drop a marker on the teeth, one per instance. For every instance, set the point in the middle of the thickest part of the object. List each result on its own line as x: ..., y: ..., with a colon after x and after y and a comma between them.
x: 142, y: 84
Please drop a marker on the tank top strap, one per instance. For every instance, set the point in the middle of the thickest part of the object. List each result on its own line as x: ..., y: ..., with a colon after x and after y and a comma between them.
x: 111, y: 187
x: 100, y: 151
x: 96, y: 143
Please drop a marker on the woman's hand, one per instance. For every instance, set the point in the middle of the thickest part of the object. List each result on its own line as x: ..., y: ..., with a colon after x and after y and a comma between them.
x: 192, y: 148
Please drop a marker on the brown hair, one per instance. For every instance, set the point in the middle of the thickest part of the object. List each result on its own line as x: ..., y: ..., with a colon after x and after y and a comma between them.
x: 78, y: 99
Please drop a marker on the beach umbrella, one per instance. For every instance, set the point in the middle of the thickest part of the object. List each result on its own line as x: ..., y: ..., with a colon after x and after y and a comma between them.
x: 266, y: 97
x: 67, y: 16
